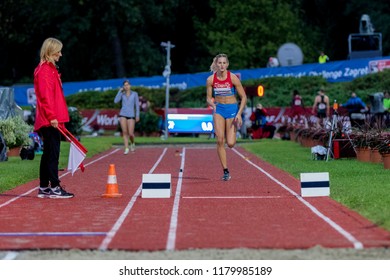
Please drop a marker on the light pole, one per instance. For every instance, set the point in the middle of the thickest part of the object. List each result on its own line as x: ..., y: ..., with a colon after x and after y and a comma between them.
x: 167, y: 73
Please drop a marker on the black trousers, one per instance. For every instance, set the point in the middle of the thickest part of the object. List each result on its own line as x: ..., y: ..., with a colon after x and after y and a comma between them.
x: 48, y: 170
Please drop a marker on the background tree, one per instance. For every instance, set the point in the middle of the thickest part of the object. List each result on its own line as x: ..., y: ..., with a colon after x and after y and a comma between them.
x: 252, y: 31
x: 106, y: 39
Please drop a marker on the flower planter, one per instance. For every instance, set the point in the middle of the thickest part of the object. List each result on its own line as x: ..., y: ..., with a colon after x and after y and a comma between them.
x: 306, y: 142
x: 363, y: 154
x: 13, y: 152
x: 375, y: 156
x: 386, y: 161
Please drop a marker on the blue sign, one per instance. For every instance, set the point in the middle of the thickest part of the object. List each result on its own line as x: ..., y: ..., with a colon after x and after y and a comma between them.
x: 190, y: 123
x: 335, y: 71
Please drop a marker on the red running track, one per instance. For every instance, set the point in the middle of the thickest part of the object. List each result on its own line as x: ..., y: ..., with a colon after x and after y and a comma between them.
x: 260, y: 207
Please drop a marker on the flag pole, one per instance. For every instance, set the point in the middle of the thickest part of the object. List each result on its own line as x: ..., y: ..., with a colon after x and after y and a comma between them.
x: 77, y: 151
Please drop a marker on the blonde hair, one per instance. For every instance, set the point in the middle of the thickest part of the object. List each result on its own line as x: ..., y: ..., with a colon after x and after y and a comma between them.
x: 213, y: 66
x: 49, y: 47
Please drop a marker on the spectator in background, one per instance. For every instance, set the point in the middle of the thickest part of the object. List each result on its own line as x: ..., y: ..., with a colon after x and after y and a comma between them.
x: 386, y: 105
x: 297, y: 107
x: 144, y: 104
x: 129, y: 114
x: 260, y: 127
x: 323, y: 58
x: 377, y: 109
x: 355, y: 106
x: 321, y: 106
x: 273, y: 62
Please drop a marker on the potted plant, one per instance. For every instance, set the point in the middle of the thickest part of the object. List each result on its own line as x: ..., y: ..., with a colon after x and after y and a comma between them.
x: 384, y: 150
x: 15, y: 132
x: 361, y: 141
x: 319, y: 136
x: 74, y: 124
x: 375, y: 141
x: 384, y: 147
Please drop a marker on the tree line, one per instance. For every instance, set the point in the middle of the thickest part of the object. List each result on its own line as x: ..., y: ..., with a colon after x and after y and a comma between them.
x: 106, y: 39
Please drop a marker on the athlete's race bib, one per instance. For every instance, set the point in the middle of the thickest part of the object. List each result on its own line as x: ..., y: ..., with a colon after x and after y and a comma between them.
x: 322, y: 106
x: 297, y: 102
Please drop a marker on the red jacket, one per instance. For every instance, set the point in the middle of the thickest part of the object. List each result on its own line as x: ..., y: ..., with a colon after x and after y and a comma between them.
x: 51, y: 102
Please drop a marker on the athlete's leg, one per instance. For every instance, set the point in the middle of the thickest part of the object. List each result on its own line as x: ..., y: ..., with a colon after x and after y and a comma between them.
x: 231, y: 132
x: 130, y: 127
x: 219, y: 130
x: 125, y: 133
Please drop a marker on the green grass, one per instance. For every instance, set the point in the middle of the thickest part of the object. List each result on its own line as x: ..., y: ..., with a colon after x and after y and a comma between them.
x: 363, y: 187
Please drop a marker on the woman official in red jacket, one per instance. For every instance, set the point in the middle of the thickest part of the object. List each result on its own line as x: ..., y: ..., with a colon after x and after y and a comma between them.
x: 51, y: 113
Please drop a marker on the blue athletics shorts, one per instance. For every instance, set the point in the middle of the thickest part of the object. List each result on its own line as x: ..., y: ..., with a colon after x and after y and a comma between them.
x: 227, y: 111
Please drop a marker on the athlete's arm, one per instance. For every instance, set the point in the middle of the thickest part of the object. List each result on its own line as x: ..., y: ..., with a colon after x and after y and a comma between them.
x: 241, y: 93
x: 209, y: 89
x: 315, y: 105
x: 327, y: 106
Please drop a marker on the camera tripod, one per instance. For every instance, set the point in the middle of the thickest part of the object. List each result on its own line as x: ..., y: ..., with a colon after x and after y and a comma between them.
x: 331, y: 132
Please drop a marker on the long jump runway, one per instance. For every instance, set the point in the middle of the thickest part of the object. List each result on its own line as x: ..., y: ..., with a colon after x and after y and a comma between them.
x: 260, y: 207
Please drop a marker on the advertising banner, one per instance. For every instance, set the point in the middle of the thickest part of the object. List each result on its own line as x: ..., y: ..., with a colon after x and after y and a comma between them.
x: 190, y: 120
x: 336, y: 71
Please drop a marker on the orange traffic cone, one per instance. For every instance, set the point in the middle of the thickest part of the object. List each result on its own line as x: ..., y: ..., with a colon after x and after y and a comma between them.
x: 112, y: 185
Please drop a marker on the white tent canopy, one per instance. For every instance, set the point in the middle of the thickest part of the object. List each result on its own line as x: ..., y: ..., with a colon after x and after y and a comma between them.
x: 8, y: 107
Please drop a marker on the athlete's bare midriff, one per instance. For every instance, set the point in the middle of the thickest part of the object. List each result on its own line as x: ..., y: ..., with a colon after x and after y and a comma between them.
x: 226, y: 99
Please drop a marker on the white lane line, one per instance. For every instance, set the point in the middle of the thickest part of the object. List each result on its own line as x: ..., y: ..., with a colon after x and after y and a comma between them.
x: 171, y: 241
x: 236, y: 197
x: 17, y: 197
x: 110, y: 235
x: 66, y: 173
x: 356, y: 243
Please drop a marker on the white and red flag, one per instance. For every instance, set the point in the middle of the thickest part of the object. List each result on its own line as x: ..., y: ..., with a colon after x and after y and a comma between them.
x: 77, y: 152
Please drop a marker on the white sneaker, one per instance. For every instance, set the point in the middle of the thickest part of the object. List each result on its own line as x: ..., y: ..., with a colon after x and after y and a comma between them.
x: 132, y: 147
x: 126, y: 151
